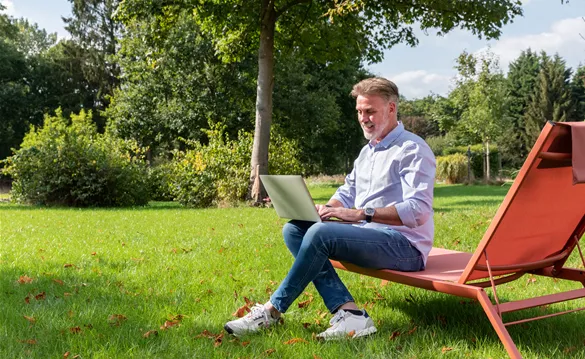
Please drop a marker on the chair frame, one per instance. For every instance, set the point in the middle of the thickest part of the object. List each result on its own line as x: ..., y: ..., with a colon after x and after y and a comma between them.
x: 467, y: 274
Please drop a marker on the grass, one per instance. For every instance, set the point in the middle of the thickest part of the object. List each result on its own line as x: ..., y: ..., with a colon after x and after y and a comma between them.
x: 98, y: 283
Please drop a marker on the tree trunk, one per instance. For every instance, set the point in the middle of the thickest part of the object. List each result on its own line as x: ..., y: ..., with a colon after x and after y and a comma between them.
x: 264, y: 87
x: 487, y: 160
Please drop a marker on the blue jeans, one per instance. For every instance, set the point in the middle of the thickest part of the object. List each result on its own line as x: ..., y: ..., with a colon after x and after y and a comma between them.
x: 313, y: 244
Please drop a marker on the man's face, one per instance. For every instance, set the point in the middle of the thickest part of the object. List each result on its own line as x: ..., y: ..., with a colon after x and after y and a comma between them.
x: 376, y: 116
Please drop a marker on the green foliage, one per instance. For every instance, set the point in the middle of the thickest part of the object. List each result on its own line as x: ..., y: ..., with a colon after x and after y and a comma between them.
x: 578, y: 94
x: 477, y: 158
x: 160, y: 179
x: 69, y: 163
x: 551, y: 100
x: 452, y: 168
x: 217, y: 172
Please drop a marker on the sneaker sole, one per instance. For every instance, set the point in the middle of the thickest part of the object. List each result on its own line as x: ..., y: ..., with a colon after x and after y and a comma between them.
x: 360, y: 334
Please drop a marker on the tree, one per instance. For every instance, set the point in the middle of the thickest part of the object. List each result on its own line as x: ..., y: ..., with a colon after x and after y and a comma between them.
x: 483, y: 115
x: 417, y: 116
x: 94, y: 29
x: 552, y: 99
x: 520, y: 86
x: 347, y: 30
x: 578, y: 94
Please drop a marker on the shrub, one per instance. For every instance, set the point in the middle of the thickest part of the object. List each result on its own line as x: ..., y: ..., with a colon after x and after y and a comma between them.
x: 477, y: 158
x: 452, y: 168
x: 69, y: 163
x: 160, y: 179
x: 219, y: 171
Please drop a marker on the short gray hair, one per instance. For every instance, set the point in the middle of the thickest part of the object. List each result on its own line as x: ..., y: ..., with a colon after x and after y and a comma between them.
x: 376, y: 86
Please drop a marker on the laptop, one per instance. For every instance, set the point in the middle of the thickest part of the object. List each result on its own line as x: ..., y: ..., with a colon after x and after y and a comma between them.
x: 291, y: 198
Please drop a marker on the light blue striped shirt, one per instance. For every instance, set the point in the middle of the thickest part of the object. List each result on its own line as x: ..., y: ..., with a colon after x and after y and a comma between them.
x: 398, y: 171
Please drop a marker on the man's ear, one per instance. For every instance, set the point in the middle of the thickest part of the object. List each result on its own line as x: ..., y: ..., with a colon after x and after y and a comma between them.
x: 391, y: 107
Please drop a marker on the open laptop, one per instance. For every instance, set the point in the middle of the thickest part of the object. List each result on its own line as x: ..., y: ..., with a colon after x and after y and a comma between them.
x: 291, y: 198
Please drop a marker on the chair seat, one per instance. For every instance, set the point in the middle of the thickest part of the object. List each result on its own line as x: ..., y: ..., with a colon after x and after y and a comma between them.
x: 445, y: 265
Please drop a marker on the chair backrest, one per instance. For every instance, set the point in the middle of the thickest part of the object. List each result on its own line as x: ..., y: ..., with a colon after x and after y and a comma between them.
x: 541, y: 217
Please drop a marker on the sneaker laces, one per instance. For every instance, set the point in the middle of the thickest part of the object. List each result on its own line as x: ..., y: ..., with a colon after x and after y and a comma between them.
x: 258, y: 312
x: 337, y: 317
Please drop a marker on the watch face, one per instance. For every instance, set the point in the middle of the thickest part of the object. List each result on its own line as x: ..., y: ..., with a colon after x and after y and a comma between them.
x: 369, y: 211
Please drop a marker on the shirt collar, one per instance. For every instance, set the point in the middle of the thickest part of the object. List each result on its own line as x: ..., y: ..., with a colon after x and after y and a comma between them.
x: 390, y: 137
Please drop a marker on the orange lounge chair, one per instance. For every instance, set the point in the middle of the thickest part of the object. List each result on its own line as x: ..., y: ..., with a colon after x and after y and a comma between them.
x: 536, y: 228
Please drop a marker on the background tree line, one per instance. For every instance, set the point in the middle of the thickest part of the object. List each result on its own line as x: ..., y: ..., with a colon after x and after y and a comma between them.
x: 169, y: 75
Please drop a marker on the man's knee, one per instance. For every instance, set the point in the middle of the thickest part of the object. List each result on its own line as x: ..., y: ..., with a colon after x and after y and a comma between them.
x: 317, y: 235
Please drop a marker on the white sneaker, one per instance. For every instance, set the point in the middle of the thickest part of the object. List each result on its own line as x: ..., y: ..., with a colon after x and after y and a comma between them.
x: 258, y: 318
x: 348, y: 325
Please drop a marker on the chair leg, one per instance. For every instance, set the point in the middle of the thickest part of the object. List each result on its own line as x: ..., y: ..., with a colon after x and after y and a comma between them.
x: 498, y: 325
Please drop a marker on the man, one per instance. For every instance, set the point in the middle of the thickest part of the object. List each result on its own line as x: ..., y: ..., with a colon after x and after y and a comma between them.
x: 390, y: 191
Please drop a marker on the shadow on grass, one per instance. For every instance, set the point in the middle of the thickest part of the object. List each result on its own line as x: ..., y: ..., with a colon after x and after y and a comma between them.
x: 461, y: 319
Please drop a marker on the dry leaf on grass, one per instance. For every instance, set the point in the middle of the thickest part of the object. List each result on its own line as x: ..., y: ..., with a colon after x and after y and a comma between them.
x: 446, y: 349
x: 269, y: 351
x: 169, y: 324
x: 68, y: 265
x: 41, y: 296
x: 218, y: 340
x: 394, y: 335
x: 351, y: 334
x: 24, y: 279
x: 412, y: 330
x: 58, y: 281
x: 150, y: 333
x: 32, y: 320
x: 116, y: 319
x: 241, y: 311
x: 28, y: 341
x: 295, y: 341
x: 75, y: 330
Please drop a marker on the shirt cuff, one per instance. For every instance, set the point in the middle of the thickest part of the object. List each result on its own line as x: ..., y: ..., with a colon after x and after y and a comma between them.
x: 405, y: 212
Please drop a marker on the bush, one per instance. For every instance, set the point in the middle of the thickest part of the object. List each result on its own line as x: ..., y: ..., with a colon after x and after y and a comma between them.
x: 477, y: 158
x: 69, y: 163
x: 160, y: 179
x: 452, y: 168
x: 219, y: 171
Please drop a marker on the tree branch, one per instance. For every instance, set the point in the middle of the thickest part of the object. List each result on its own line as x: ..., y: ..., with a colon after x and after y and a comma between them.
x: 289, y: 5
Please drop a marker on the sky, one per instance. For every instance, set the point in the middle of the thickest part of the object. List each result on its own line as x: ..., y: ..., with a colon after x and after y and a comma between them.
x: 429, y: 67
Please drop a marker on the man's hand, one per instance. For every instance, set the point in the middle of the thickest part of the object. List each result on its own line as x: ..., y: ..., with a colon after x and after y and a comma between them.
x: 344, y: 214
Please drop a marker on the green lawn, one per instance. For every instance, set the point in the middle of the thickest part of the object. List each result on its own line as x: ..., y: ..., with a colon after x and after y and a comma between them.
x: 160, y: 282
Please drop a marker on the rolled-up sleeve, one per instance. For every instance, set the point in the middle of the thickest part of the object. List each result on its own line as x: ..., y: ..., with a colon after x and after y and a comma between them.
x: 346, y: 193
x: 417, y: 176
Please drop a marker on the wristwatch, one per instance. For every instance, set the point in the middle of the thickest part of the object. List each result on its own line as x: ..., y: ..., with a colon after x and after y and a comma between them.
x: 369, y: 213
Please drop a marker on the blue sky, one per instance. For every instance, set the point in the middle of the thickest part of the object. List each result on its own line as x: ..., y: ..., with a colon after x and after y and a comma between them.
x: 546, y: 25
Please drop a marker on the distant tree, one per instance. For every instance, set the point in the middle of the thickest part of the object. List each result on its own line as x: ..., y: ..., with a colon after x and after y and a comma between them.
x: 520, y: 86
x: 94, y: 29
x: 578, y: 94
x: 483, y: 116
x: 552, y: 99
x: 30, y: 40
x: 417, y: 116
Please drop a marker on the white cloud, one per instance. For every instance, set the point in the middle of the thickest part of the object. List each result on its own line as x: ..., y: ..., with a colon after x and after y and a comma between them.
x: 563, y: 38
x: 9, y: 5
x: 420, y: 83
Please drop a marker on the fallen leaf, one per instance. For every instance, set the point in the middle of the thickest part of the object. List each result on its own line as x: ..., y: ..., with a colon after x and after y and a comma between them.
x: 93, y: 253
x: 40, y: 296
x: 150, y: 333
x: 446, y: 349
x: 315, y: 356
x: 569, y: 350
x: 68, y: 265
x: 245, y: 344
x: 394, y: 335
x: 305, y: 303
x: 206, y: 334
x: 269, y: 351
x: 351, y: 334
x: 32, y: 320
x: 27, y: 299
x: 248, y: 301
x: 218, y: 340
x: 169, y: 324
x: 28, y: 341
x: 66, y: 355
x: 75, y: 330
x: 58, y: 281
x: 241, y: 311
x: 23, y: 279
x: 116, y: 319
x: 306, y: 325
x: 412, y: 330
x: 294, y: 341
